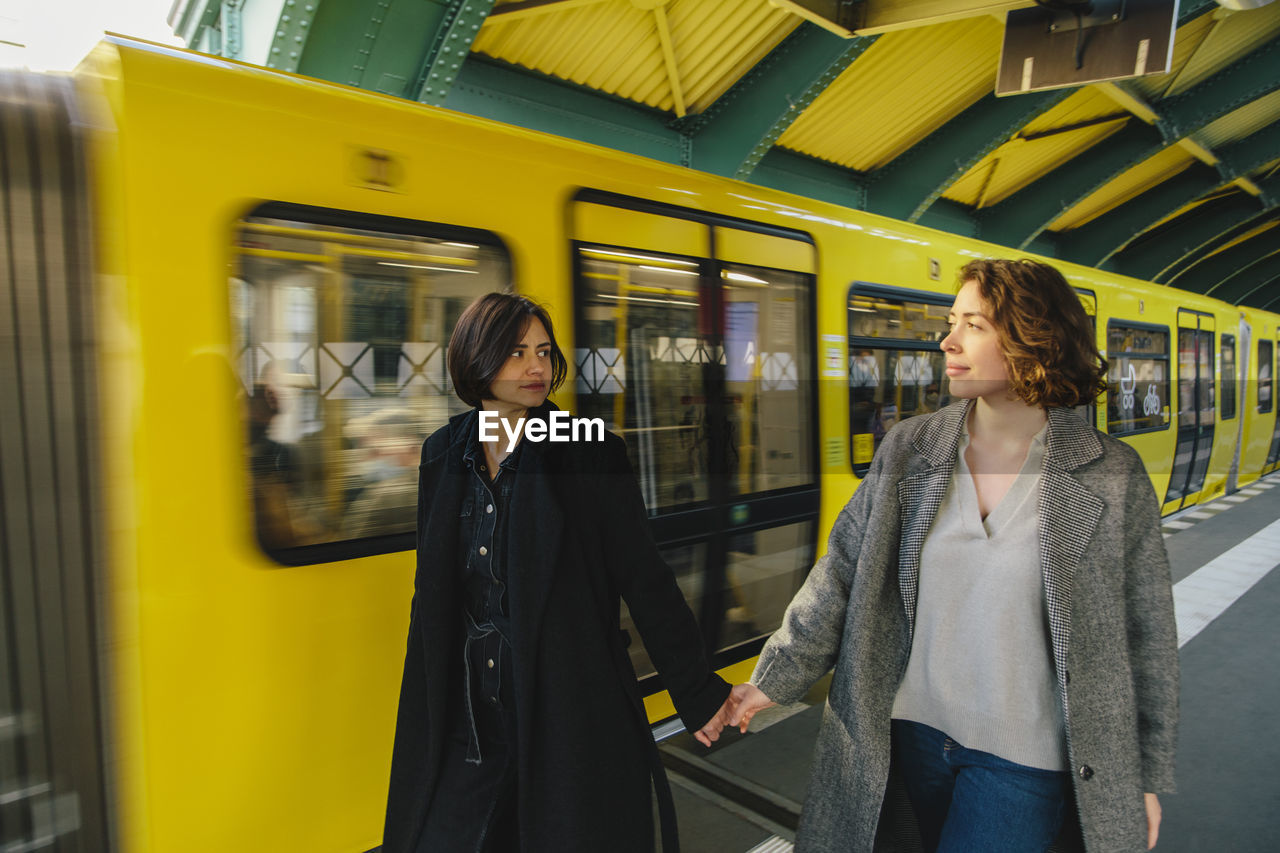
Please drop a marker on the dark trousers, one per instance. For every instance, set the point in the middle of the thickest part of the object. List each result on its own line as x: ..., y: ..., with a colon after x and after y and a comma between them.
x: 473, y: 809
x: 969, y: 801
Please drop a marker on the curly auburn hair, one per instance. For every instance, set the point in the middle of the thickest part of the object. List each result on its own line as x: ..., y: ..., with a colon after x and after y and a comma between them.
x: 1044, y: 331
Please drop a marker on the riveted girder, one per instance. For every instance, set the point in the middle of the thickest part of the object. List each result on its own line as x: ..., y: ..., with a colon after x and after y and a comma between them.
x: 810, y: 178
x: 450, y: 48
x: 915, y: 179
x: 1246, y: 281
x: 743, y: 124
x: 1153, y: 257
x: 1098, y: 240
x: 504, y: 93
x: 1019, y: 218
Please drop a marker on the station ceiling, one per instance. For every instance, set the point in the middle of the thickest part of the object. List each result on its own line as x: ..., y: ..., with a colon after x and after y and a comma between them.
x: 1173, y: 177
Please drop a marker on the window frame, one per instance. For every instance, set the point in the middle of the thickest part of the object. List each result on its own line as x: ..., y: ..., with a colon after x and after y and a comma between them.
x: 1223, y: 338
x: 1168, y: 379
x: 874, y: 290
x: 1271, y: 362
x: 392, y: 226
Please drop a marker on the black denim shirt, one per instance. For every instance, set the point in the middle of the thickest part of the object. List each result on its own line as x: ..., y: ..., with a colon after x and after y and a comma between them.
x: 484, y: 522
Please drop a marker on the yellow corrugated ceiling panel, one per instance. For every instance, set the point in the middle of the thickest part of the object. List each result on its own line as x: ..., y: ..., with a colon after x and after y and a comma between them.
x: 614, y: 46
x: 904, y: 87
x: 1229, y: 37
x: 1240, y: 123
x: 1135, y: 181
x: 1185, y: 44
x: 1055, y: 137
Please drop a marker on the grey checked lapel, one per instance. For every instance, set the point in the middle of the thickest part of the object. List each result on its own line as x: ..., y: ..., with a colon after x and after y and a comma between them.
x: 920, y: 493
x: 1069, y: 515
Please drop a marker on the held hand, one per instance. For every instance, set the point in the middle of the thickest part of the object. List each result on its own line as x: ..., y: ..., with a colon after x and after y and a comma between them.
x: 710, y: 733
x: 746, y: 700
x: 1153, y: 819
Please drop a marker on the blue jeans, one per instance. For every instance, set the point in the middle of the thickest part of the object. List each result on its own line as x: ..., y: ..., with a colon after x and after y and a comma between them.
x: 969, y: 800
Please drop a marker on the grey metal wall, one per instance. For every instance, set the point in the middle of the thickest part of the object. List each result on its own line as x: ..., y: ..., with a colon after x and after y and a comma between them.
x: 52, y: 782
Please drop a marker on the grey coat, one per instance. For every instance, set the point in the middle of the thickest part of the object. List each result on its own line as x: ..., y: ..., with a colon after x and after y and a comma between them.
x: 1110, y: 605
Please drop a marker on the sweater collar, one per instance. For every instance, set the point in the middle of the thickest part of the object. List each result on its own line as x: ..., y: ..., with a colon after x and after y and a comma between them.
x: 1069, y: 442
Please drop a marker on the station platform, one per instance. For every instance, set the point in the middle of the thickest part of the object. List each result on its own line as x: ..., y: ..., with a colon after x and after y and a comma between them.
x: 744, y: 793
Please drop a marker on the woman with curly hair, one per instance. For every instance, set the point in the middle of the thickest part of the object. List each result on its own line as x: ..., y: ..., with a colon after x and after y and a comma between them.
x: 996, y: 603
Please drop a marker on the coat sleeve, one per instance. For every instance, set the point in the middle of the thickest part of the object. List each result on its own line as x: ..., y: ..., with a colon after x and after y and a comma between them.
x: 805, y: 646
x: 657, y: 606
x: 1152, y: 634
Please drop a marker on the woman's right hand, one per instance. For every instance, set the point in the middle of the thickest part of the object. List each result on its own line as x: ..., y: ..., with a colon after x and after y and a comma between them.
x: 746, y: 700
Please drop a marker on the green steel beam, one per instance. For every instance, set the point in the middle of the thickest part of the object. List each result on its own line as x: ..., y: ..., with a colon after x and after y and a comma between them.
x: 1019, y: 218
x: 1240, y: 83
x: 1274, y: 304
x: 794, y: 173
x: 293, y: 29
x: 1207, y: 272
x: 905, y: 187
x: 1226, y: 238
x: 507, y: 94
x: 735, y: 132
x: 189, y: 19
x: 450, y: 48
x: 1246, y: 281
x: 916, y: 179
x: 1153, y: 257
x: 1098, y: 240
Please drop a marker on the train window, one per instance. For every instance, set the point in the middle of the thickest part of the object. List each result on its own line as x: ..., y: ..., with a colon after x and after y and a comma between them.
x: 1266, y: 377
x: 1227, y: 359
x: 895, y: 367
x: 341, y: 323
x: 1138, y: 375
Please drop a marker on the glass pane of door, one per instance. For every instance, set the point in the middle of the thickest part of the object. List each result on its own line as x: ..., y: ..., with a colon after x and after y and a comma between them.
x: 642, y: 366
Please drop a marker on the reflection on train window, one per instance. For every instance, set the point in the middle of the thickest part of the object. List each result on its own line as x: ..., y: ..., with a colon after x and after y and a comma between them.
x: 1228, y: 368
x: 1138, y: 377
x: 642, y: 366
x: 895, y: 367
x: 766, y: 322
x: 764, y: 570
x: 342, y: 322
x: 1266, y: 375
x: 648, y: 344
x: 1196, y: 406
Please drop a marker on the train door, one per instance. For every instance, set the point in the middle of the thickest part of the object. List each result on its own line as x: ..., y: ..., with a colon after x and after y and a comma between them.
x: 1196, y: 408
x: 694, y: 341
x: 1268, y: 368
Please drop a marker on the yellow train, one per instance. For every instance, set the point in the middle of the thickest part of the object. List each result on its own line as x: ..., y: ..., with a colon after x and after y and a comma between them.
x: 227, y: 292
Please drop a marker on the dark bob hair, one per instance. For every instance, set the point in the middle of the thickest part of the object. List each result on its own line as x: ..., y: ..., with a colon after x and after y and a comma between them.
x: 486, y: 334
x: 1044, y: 331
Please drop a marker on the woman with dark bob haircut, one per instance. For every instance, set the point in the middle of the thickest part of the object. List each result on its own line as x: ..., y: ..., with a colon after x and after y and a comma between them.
x: 995, y: 600
x: 520, y: 725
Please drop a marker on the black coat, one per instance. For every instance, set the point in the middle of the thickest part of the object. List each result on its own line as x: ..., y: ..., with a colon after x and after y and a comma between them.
x: 579, y: 539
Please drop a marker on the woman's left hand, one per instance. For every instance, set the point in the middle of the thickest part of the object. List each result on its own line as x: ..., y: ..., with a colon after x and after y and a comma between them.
x: 1153, y: 819
x: 710, y: 732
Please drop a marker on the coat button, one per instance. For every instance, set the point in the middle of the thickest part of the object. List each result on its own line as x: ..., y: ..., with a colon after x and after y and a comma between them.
x: 489, y: 508
x: 1086, y: 772
x: 489, y: 663
x: 483, y: 550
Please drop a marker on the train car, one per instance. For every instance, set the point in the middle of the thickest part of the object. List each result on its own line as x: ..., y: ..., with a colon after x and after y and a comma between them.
x: 228, y: 294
